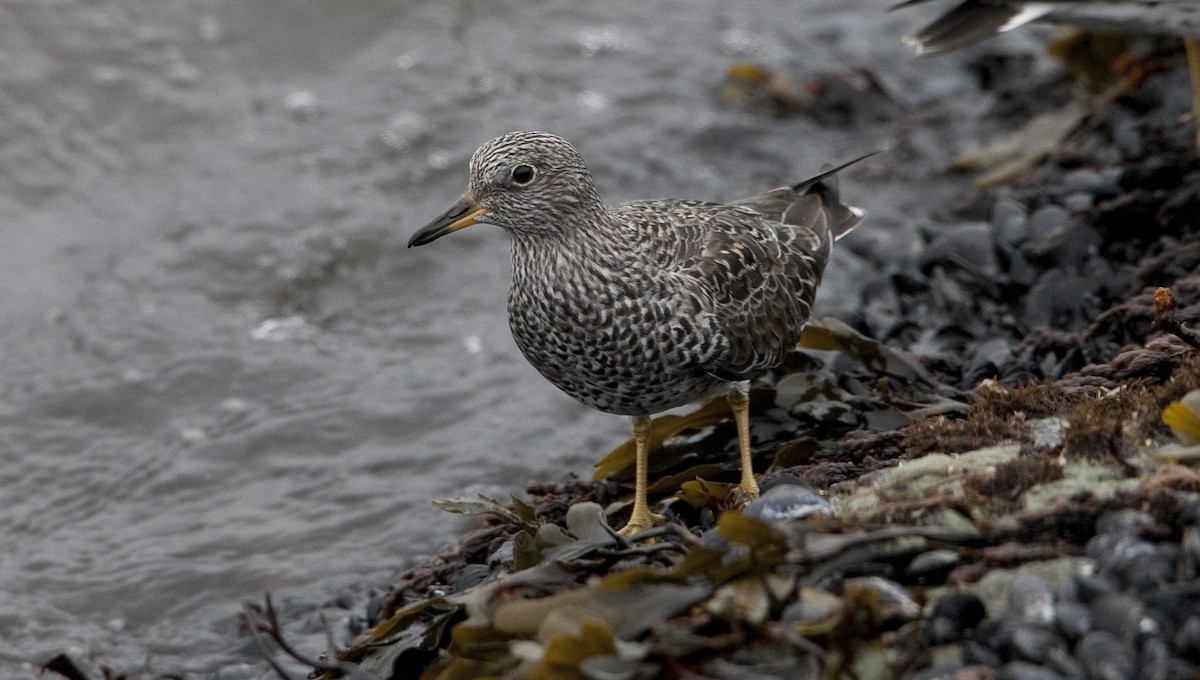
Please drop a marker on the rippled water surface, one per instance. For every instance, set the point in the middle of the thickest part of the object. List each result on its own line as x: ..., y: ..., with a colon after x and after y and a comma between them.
x: 223, y: 373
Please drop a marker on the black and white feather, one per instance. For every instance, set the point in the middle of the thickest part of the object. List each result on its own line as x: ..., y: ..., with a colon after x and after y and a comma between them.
x: 974, y: 20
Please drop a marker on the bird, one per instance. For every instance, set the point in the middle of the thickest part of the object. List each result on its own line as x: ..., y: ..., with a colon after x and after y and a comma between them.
x: 640, y: 307
x: 975, y: 20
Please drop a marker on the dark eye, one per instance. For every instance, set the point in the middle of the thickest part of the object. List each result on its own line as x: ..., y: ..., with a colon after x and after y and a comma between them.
x: 523, y: 174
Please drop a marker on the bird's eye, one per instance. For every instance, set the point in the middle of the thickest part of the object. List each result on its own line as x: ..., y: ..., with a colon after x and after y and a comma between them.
x: 523, y: 174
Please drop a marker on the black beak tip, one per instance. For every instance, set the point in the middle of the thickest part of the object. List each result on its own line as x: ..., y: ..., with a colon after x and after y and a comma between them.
x: 420, y: 238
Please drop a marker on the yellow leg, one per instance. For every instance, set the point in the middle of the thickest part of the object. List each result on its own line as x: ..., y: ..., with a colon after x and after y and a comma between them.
x: 642, y: 518
x: 739, y: 401
x: 1193, y: 54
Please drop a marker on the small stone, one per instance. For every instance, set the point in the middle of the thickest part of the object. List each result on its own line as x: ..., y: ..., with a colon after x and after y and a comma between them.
x: 1010, y: 220
x: 1092, y: 587
x: 789, y: 501
x: 1106, y: 656
x: 1187, y: 640
x: 471, y: 575
x: 953, y: 616
x: 1125, y: 522
x: 933, y: 565
x: 968, y: 247
x: 1082, y: 179
x: 1034, y: 643
x: 1078, y: 201
x: 1060, y: 299
x: 1073, y: 620
x: 1023, y: 670
x: 1030, y: 600
x: 1122, y: 616
x: 1048, y: 219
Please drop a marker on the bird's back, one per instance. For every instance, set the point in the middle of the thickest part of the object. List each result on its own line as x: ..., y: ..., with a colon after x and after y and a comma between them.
x: 756, y: 263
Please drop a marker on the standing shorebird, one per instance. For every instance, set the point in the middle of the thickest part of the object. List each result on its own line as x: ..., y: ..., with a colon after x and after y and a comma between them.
x: 976, y: 20
x: 640, y: 307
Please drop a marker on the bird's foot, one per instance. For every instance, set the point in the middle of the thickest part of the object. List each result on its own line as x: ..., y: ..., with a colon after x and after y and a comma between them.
x: 640, y: 522
x: 749, y: 488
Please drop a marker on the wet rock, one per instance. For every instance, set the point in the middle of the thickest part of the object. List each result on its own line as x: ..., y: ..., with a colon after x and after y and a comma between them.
x: 789, y: 501
x: 1048, y: 221
x: 968, y: 248
x: 1060, y: 299
x: 1124, y: 522
x: 953, y: 616
x: 1078, y: 201
x: 981, y: 654
x: 1073, y: 620
x: 1123, y: 616
x: 1010, y: 220
x: 1033, y: 643
x: 1082, y: 180
x: 1158, y: 661
x: 1024, y: 670
x: 1030, y: 600
x: 1092, y: 587
x: 1187, y: 640
x: 1107, y: 656
x: 944, y: 672
x: 1056, y: 241
x: 933, y: 566
x: 985, y: 363
x: 471, y: 575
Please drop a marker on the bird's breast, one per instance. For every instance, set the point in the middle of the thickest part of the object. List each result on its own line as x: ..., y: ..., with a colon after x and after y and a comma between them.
x: 610, y: 338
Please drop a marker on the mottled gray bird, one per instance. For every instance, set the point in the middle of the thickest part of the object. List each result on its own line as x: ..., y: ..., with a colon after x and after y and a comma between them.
x: 975, y: 20
x: 640, y: 307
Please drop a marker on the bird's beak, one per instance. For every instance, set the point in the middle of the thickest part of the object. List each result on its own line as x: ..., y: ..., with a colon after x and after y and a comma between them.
x: 463, y: 213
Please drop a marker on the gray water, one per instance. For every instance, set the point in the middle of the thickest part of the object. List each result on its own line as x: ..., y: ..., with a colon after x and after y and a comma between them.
x: 223, y: 373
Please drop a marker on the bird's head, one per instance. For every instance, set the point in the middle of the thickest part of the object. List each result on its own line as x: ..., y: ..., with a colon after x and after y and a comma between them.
x: 528, y: 183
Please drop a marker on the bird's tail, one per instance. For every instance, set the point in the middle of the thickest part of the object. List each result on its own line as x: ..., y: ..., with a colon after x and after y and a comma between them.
x: 843, y: 217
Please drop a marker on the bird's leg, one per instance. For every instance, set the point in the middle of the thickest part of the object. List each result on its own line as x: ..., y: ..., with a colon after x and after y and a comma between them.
x: 739, y: 401
x: 1193, y: 55
x: 642, y: 518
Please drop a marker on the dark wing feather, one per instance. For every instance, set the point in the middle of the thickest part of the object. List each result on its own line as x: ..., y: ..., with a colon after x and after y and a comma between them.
x: 762, y: 276
x: 968, y: 23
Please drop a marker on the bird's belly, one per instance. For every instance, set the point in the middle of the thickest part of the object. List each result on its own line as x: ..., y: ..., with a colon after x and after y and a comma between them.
x: 621, y: 367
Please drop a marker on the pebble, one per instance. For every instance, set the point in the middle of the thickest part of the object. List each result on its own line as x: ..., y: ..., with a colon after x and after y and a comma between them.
x: 1083, y: 180
x: 1031, y: 600
x: 1059, y: 299
x: 1024, y: 670
x: 789, y: 501
x: 471, y: 575
x: 1010, y: 220
x: 933, y: 565
x: 968, y: 247
x: 953, y: 616
x: 1106, y: 656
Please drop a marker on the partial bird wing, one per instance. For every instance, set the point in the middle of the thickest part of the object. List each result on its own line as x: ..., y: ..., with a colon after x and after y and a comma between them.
x: 753, y: 266
x: 975, y: 20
